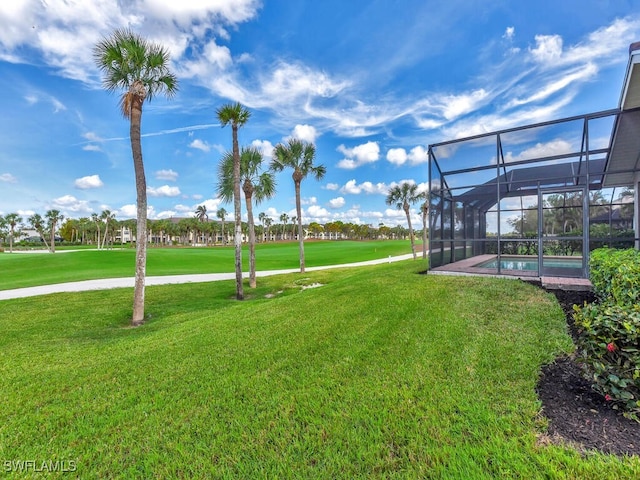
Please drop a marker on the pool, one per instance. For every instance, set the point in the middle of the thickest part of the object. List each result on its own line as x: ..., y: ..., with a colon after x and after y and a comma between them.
x: 530, y: 265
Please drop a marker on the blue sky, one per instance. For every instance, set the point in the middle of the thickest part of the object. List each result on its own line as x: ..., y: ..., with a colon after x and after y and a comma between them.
x: 371, y: 83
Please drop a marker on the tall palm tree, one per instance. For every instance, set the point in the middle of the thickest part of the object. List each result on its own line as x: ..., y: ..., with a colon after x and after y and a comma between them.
x: 299, y: 156
x: 37, y: 222
x: 402, y: 196
x: 53, y: 217
x: 130, y: 63
x: 284, y: 218
x: 236, y: 115
x: 256, y: 184
x: 12, y: 219
x: 222, y: 214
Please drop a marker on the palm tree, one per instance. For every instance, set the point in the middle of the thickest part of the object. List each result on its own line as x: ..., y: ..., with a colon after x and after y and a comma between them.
x: 299, y: 156
x: 255, y: 185
x: 12, y: 219
x: 402, y: 196
x: 108, y: 218
x: 130, y: 63
x: 37, y: 223
x: 284, y: 218
x: 201, y: 213
x: 53, y: 217
x: 236, y: 115
x: 221, y: 214
x: 424, y: 211
x: 261, y: 217
x: 96, y: 220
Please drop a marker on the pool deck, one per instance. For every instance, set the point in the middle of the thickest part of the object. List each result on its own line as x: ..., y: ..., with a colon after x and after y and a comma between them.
x: 468, y: 267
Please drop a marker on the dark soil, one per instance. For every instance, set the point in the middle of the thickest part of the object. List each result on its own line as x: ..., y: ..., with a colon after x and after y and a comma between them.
x: 577, y: 414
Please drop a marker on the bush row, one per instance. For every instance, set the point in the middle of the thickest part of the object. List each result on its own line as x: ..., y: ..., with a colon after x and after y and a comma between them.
x: 609, y: 329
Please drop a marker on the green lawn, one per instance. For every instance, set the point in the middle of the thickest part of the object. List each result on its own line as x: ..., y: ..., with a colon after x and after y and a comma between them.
x: 27, y: 270
x: 378, y: 373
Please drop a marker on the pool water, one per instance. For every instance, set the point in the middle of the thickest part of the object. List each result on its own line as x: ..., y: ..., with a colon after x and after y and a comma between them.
x: 508, y: 263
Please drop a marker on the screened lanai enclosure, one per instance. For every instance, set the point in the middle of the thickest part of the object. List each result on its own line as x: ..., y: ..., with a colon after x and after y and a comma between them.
x: 535, y: 200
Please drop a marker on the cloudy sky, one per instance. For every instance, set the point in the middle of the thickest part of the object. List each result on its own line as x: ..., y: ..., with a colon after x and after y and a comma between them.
x: 371, y: 82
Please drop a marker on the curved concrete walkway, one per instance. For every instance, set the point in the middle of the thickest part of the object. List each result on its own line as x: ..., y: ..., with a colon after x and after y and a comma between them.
x: 128, y: 282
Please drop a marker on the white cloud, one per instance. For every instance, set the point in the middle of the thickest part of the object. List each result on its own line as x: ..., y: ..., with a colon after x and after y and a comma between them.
x: 309, y: 201
x: 128, y: 211
x: 319, y: 214
x: 185, y: 208
x: 332, y: 186
x: 91, y: 148
x: 548, y: 48
x: 353, y: 188
x: 165, y: 214
x: 69, y: 203
x: 359, y: 155
x: 509, y: 33
x: 337, y: 202
x: 265, y: 147
x: 418, y: 155
x: 200, y: 145
x: 169, y: 175
x: 91, y: 181
x: 397, y: 156
x: 540, y: 150
x: 7, y: 177
x: 306, y: 133
x: 163, y: 191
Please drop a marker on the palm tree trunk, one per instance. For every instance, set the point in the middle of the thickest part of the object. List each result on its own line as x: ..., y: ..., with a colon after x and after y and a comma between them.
x: 52, y: 245
x: 141, y: 237
x: 104, y: 238
x: 252, y: 241
x: 300, y: 236
x: 413, y: 242
x: 237, y: 213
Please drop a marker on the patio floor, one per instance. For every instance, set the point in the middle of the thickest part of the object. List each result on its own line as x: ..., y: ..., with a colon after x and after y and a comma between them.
x: 468, y: 267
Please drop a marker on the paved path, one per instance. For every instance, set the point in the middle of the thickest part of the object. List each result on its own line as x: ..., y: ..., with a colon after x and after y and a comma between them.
x: 107, y: 283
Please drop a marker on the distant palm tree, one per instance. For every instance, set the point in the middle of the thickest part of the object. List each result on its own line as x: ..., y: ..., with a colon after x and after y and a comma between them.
x: 256, y: 185
x: 130, y: 63
x: 402, y: 196
x: 424, y: 210
x: 299, y: 156
x: 96, y: 219
x: 201, y: 213
x: 108, y: 218
x: 284, y: 218
x: 261, y: 217
x: 12, y: 219
x: 236, y: 115
x: 53, y: 217
x: 222, y: 214
x: 37, y: 222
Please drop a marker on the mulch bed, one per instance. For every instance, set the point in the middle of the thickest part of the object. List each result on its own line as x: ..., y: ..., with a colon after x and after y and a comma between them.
x: 578, y: 415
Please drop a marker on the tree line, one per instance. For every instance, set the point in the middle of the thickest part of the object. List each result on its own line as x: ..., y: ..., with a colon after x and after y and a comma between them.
x: 140, y: 70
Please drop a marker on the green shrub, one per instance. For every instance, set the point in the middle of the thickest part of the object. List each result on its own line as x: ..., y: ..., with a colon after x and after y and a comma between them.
x: 615, y: 275
x: 609, y: 331
x: 609, y: 349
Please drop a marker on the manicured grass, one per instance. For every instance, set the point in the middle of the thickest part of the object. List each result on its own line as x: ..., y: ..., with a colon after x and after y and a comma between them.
x: 378, y: 373
x: 26, y: 270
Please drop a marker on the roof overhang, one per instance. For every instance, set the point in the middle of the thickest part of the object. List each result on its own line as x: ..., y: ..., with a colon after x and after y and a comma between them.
x: 625, y: 143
